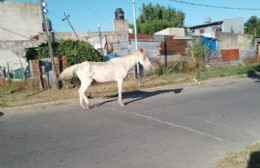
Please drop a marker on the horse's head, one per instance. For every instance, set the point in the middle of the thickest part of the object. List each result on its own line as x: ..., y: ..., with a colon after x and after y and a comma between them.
x: 144, y: 60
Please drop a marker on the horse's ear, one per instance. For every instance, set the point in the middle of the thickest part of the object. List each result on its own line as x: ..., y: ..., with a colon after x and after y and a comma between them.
x: 141, y: 50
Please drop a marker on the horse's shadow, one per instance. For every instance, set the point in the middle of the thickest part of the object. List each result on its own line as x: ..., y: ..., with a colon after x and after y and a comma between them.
x: 1, y: 115
x: 138, y: 95
x: 254, y: 160
x: 254, y: 74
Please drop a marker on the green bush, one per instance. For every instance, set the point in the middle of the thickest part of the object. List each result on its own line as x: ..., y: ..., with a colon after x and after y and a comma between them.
x: 78, y: 51
x: 75, y: 51
x: 43, y: 50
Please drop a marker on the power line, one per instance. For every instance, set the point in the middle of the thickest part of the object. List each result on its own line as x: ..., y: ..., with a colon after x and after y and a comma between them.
x: 53, y: 14
x: 214, y: 6
x: 10, y: 31
x: 96, y: 13
x: 127, y: 1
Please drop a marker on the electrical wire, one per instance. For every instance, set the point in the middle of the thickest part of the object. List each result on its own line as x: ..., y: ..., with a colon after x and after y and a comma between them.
x: 10, y: 31
x: 214, y: 6
x: 55, y: 15
x: 96, y: 13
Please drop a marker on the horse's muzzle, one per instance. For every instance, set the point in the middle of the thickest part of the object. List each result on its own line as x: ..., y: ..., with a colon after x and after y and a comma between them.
x: 148, y: 68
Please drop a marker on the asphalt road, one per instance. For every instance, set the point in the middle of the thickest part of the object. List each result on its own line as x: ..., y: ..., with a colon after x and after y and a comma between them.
x: 181, y: 126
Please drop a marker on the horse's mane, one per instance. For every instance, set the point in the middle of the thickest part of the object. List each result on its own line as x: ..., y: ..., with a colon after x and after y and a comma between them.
x: 137, y: 53
x: 121, y: 57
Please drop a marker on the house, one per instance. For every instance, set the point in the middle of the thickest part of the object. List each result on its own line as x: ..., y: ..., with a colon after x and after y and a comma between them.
x: 19, y: 21
x: 225, y: 38
x: 19, y: 29
x: 208, y: 29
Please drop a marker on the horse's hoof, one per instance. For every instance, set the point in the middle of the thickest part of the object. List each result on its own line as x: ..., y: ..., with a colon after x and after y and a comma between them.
x: 121, y: 104
x: 85, y: 107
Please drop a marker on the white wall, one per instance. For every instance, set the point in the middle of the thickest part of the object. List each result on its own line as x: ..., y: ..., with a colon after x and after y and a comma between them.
x: 237, y: 24
x: 19, y: 21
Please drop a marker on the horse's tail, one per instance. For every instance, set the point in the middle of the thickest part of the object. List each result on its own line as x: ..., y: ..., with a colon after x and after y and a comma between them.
x: 68, y: 72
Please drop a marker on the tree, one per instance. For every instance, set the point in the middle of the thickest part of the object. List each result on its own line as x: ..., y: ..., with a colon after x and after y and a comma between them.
x: 156, y: 18
x: 252, y: 26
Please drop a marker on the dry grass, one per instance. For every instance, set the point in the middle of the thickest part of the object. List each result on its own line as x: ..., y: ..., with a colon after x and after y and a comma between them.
x: 28, y: 96
x: 247, y: 158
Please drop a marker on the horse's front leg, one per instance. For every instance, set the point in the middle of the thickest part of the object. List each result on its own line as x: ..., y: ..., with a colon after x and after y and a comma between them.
x: 84, y: 102
x: 120, y: 85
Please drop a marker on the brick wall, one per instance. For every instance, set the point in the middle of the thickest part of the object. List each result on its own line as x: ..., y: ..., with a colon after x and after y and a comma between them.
x: 174, y: 46
x: 230, y: 54
x: 171, y: 47
x: 131, y: 36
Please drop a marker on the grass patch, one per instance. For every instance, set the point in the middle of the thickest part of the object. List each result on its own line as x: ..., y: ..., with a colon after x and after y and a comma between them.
x: 10, y: 89
x: 229, y: 71
x: 247, y: 158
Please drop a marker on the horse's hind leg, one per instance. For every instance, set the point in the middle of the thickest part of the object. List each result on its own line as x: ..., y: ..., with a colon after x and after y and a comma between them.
x: 83, y: 100
x: 120, y: 85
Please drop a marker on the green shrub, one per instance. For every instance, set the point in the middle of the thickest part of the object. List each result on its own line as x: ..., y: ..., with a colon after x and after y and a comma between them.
x: 78, y: 51
x: 197, y: 53
x: 75, y: 51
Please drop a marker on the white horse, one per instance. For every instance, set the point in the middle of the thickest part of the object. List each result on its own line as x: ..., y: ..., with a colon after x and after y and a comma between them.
x: 113, y: 70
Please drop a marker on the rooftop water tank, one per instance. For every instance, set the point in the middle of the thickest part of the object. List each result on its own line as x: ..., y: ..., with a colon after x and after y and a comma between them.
x: 119, y: 14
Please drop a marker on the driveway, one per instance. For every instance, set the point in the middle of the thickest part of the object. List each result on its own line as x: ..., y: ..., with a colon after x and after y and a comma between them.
x: 181, y: 126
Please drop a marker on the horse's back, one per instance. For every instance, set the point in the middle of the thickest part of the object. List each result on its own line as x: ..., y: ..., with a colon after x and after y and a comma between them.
x: 103, y: 71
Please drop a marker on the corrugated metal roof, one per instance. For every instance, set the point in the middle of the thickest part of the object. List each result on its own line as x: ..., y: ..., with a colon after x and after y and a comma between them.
x: 206, y: 25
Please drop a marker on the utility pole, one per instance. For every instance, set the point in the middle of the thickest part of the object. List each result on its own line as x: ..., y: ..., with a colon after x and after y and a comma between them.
x: 67, y: 18
x: 100, y: 39
x: 136, y: 48
x: 54, y: 81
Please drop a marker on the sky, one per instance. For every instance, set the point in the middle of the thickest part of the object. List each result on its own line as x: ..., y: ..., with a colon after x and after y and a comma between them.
x: 86, y: 15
